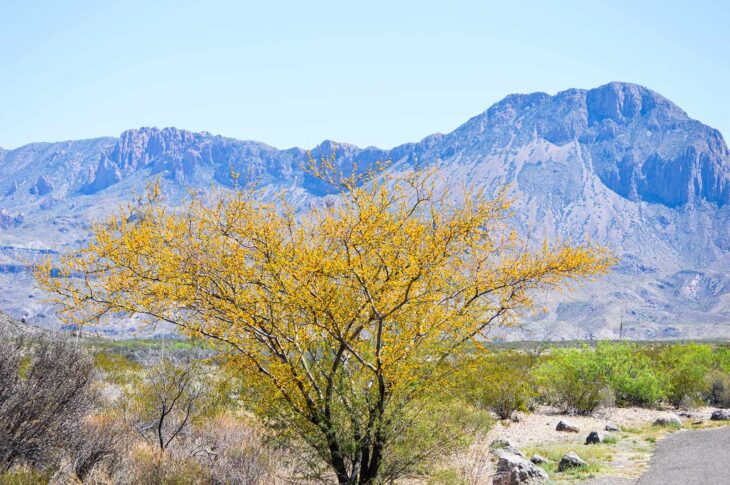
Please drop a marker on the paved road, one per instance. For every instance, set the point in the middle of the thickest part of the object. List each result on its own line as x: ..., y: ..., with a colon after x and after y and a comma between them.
x: 691, y: 457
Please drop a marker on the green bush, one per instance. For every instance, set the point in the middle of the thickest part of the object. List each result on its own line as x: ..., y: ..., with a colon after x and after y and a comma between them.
x: 499, y: 382
x: 719, y: 388
x: 722, y: 358
x: 574, y: 380
x: 631, y: 375
x: 686, y: 367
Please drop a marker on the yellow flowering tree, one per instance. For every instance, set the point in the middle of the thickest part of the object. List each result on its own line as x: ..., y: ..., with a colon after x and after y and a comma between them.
x: 339, y: 316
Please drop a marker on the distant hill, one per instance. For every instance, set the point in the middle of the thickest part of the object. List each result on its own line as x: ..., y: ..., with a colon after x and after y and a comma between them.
x: 10, y: 327
x: 618, y: 164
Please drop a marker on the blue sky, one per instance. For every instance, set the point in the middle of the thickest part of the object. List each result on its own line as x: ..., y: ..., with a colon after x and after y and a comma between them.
x: 370, y: 73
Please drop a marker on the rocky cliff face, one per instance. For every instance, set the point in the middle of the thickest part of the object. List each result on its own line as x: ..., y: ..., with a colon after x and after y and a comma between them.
x: 619, y: 164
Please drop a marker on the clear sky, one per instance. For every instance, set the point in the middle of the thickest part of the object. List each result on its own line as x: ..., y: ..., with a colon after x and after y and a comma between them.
x: 371, y: 73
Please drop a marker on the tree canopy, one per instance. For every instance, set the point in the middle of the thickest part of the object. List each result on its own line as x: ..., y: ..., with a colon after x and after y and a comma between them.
x: 340, y: 315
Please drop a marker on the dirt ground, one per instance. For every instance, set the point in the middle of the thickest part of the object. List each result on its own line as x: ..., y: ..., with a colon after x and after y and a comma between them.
x: 623, y: 460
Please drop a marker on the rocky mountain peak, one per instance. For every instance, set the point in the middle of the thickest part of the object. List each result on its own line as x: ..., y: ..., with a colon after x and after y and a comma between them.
x: 641, y: 145
x: 622, y: 102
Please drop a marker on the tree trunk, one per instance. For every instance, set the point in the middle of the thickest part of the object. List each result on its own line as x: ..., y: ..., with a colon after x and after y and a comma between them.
x: 337, y: 461
x: 370, y: 473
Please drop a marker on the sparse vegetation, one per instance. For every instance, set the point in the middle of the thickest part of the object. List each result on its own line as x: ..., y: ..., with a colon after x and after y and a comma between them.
x: 223, y: 442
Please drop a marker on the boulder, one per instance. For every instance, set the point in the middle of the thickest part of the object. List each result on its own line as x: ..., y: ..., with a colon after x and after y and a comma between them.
x: 499, y: 446
x: 594, y: 438
x: 668, y: 420
x: 539, y: 459
x: 611, y: 427
x: 571, y: 460
x: 720, y: 415
x: 567, y: 427
x: 515, y: 470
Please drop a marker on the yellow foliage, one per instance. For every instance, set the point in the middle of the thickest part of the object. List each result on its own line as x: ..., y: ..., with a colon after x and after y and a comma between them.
x: 363, y: 298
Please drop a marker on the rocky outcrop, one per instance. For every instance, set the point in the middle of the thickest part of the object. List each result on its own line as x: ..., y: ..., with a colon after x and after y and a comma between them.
x: 106, y: 175
x: 12, y: 189
x: 42, y: 186
x: 8, y: 220
x: 641, y: 145
x: 515, y: 470
x: 176, y: 154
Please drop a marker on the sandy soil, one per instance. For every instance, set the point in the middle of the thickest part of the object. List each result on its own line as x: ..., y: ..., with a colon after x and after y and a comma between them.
x: 539, y: 427
x: 475, y: 465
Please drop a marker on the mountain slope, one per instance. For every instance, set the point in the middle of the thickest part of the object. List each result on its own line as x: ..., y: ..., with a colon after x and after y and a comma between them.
x: 619, y: 164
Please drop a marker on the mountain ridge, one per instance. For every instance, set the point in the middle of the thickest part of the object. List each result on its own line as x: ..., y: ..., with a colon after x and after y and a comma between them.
x: 619, y: 164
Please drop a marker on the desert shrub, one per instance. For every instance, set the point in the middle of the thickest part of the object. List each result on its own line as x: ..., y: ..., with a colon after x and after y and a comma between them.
x: 631, y: 375
x: 46, y: 390
x: 101, y: 442
x: 719, y: 388
x: 722, y: 357
x: 164, y: 405
x: 116, y: 367
x: 147, y: 466
x: 499, y: 382
x: 233, y: 450
x: 24, y: 476
x: 687, y: 367
x: 574, y: 380
x: 440, y: 427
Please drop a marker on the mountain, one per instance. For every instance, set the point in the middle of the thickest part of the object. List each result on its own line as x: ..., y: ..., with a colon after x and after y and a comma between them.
x: 619, y: 164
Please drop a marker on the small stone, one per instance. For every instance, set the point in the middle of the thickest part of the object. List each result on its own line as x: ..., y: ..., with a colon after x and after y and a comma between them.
x: 611, y: 427
x: 668, y: 420
x: 567, y: 427
x: 594, y: 438
x: 720, y: 415
x: 571, y: 460
x: 699, y: 421
x: 515, y: 470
